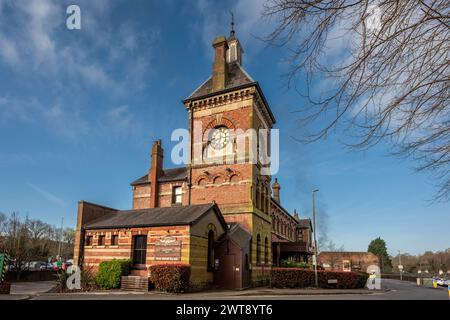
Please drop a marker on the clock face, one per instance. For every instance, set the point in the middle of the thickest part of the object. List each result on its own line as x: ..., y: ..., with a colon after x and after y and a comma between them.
x: 220, y: 138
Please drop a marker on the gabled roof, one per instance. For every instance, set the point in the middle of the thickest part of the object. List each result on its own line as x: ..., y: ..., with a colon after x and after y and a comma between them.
x: 305, y: 223
x: 174, y: 174
x: 275, y: 203
x: 239, y: 235
x: 168, y: 216
x: 236, y: 78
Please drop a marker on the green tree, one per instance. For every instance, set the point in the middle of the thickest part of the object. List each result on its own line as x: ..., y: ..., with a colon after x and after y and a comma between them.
x: 378, y: 248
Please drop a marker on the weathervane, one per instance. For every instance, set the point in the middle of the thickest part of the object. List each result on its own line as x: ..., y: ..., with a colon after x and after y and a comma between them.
x: 232, y: 24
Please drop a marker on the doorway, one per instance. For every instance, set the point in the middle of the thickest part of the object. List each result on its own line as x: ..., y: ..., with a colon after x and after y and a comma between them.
x: 227, y: 276
x: 139, y: 251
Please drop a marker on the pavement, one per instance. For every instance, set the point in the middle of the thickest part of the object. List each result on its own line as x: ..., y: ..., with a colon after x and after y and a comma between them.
x: 391, y: 290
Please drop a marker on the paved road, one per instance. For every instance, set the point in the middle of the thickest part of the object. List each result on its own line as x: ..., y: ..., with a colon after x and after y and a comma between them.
x: 397, y: 290
x: 393, y: 290
x: 31, y: 288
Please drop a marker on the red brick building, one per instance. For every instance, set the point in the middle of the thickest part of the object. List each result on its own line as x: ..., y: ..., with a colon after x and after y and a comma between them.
x: 218, y: 216
x: 347, y: 260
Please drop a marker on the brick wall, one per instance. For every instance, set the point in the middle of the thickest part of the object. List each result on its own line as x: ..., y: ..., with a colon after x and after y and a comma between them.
x: 87, y: 212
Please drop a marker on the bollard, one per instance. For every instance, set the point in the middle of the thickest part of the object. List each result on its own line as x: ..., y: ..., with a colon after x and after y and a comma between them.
x: 419, y: 282
x: 434, y: 283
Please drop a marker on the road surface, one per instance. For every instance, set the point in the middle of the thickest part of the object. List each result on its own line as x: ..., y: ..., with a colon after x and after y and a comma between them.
x: 393, y: 290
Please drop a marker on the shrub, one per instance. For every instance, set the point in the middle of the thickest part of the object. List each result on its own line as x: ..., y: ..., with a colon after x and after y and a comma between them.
x: 170, y: 277
x: 110, y: 272
x: 291, y: 278
x: 87, y: 279
x: 294, y: 264
x: 345, y: 280
x: 362, y: 279
x: 301, y: 278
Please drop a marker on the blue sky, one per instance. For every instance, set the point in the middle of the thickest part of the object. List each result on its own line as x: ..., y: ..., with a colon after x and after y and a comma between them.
x: 79, y: 111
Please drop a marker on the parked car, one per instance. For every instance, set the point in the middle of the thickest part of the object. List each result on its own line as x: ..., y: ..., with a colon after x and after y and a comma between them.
x: 46, y: 266
x: 34, y: 265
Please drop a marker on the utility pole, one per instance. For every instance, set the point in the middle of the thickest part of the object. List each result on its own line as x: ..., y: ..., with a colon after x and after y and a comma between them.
x: 60, y: 238
x: 400, y: 267
x: 316, y: 277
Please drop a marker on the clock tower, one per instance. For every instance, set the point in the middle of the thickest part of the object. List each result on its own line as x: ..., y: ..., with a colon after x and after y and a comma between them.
x: 228, y: 119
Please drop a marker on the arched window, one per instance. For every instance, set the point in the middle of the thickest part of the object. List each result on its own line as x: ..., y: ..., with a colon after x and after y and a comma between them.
x: 267, y: 198
x: 266, y: 251
x: 258, y: 249
x: 257, y: 195
x: 263, y: 197
x: 210, y: 250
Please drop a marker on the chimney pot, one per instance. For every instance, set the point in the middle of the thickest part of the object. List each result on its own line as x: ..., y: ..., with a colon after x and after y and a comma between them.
x: 156, y: 171
x: 276, y: 191
x: 220, y: 66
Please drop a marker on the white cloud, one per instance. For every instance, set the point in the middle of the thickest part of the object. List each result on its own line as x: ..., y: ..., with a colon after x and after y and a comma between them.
x: 248, y: 23
x: 48, y: 195
x: 105, y: 58
x: 8, y: 51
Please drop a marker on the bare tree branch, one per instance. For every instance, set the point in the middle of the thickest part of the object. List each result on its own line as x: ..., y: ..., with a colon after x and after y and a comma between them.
x: 378, y: 70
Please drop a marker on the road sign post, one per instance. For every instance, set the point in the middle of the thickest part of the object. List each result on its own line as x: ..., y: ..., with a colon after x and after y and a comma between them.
x: 2, y: 266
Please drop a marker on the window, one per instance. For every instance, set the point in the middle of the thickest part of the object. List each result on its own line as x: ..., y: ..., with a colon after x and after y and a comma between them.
x: 266, y: 251
x: 211, y: 250
x: 114, y: 240
x: 176, y: 195
x: 139, y: 249
x: 258, y: 249
x: 258, y: 195
x: 88, y: 241
x: 101, y: 240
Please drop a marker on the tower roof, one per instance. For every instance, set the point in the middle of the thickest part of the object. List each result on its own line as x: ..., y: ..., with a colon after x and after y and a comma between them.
x: 237, y: 77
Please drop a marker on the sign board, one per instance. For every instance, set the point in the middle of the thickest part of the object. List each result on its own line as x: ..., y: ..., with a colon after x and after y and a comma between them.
x: 330, y: 281
x: 168, y: 249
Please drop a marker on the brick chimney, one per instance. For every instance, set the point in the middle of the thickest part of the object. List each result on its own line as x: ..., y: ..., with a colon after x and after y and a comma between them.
x: 156, y: 170
x: 220, y: 65
x: 276, y: 191
x: 296, y: 218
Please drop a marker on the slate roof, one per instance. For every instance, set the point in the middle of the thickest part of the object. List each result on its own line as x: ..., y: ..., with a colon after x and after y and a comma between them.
x: 237, y: 77
x: 239, y: 235
x: 168, y: 216
x: 174, y: 174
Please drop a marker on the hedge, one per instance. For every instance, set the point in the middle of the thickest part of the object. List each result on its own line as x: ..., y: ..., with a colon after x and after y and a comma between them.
x: 301, y: 278
x: 110, y: 272
x: 170, y: 277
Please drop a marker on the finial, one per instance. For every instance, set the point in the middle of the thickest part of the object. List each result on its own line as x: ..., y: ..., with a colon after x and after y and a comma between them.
x: 232, y: 25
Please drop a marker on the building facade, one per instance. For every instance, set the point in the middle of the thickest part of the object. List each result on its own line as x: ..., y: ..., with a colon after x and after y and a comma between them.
x: 347, y: 260
x: 222, y: 198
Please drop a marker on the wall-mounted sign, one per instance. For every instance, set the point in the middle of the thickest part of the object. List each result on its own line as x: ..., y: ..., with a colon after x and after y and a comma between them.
x: 168, y: 249
x: 332, y: 281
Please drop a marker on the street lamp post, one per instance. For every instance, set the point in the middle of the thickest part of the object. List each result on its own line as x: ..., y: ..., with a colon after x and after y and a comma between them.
x: 400, y: 265
x: 316, y: 278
